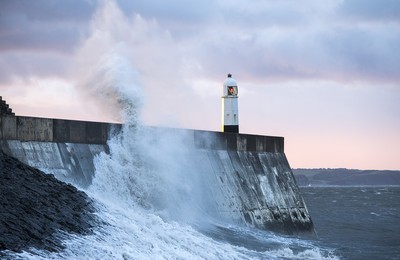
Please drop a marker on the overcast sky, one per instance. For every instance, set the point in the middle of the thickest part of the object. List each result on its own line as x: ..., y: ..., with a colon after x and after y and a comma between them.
x: 323, y: 74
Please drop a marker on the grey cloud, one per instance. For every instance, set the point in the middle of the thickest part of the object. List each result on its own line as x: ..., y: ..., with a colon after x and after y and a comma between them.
x: 275, y: 39
x: 180, y: 17
x: 328, y: 47
x: 344, y: 54
x: 45, y: 25
x: 367, y: 54
x: 27, y: 65
x: 280, y: 15
x: 37, y: 37
x: 180, y: 10
x: 44, y: 10
x: 371, y: 9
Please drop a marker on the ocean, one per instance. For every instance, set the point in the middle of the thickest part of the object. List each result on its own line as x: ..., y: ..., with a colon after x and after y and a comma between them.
x: 356, y: 222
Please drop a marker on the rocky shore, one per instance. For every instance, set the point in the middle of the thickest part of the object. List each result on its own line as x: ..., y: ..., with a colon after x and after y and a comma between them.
x: 36, y: 209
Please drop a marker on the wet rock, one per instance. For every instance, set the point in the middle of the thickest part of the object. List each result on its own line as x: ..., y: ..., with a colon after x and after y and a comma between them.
x: 36, y: 209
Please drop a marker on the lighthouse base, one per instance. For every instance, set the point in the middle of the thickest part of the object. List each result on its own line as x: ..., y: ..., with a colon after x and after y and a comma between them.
x: 231, y: 128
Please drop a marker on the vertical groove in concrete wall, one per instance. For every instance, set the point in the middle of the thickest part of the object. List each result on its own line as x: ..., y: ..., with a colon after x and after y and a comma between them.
x: 61, y: 130
x: 43, y: 130
x: 77, y: 131
x: 25, y: 129
x: 96, y: 132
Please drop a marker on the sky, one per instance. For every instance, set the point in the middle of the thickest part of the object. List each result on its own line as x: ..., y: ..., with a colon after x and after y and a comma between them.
x: 323, y: 74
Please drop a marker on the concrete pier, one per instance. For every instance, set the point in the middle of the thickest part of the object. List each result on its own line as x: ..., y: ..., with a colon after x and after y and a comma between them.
x: 25, y: 129
x: 248, y: 175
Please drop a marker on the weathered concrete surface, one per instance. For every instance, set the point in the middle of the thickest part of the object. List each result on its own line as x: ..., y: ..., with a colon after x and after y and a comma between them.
x: 69, y: 162
x: 53, y: 130
x: 255, y: 188
x: 35, y: 207
x: 34, y: 129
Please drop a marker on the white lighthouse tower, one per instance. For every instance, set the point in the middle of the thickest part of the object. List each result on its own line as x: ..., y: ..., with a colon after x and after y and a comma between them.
x: 230, y: 115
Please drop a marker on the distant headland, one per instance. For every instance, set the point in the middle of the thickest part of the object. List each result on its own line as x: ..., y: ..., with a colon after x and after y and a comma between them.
x: 346, y: 177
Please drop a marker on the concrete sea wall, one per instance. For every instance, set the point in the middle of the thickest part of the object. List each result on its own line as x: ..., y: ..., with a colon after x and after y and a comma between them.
x: 27, y: 129
x: 53, y: 130
x: 248, y: 175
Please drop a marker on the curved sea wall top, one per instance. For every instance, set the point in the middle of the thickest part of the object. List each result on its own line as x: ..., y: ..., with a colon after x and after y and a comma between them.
x: 247, y: 176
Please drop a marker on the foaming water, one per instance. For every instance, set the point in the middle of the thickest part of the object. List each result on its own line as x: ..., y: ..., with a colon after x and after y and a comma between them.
x: 136, y: 234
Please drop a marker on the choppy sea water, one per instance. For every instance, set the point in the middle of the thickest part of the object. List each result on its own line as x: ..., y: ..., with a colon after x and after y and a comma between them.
x: 129, y: 232
x: 350, y: 222
x: 357, y: 222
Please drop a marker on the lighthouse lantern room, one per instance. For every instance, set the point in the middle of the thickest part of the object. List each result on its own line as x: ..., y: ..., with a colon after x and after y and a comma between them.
x: 230, y: 115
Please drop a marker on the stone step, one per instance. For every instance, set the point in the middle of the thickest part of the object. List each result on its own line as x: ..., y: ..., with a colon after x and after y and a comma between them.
x: 5, y: 108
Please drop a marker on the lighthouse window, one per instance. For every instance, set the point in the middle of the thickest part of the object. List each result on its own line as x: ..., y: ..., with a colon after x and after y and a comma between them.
x: 232, y: 91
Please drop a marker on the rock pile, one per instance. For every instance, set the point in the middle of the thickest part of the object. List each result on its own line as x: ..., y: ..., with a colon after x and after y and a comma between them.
x: 36, y: 209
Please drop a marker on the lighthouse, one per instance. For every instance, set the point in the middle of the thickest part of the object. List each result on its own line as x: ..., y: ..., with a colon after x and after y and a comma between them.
x: 230, y: 115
